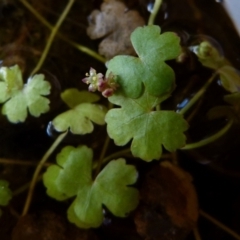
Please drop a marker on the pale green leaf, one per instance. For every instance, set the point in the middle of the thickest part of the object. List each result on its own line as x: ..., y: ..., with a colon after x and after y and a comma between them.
x: 79, y: 119
x: 4, y: 94
x: 72, y: 97
x: 72, y: 217
x: 12, y: 76
x: 20, y: 98
x: 110, y: 188
x: 16, y: 108
x: 10, y: 82
x: 59, y: 178
x: 148, y: 129
x: 149, y: 68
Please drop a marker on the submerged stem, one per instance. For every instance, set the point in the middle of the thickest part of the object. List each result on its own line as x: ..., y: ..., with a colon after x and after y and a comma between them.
x: 154, y: 12
x: 52, y: 36
x: 25, y: 187
x: 84, y: 49
x: 196, y: 234
x: 209, y: 139
x: 198, y: 95
x: 38, y: 169
x: 20, y: 162
x: 219, y: 224
x: 79, y: 47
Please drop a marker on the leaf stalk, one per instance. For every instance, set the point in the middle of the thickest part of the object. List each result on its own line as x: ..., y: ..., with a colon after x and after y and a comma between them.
x: 20, y: 162
x: 52, y: 36
x: 209, y: 139
x: 198, y: 95
x: 104, y: 150
x: 154, y: 12
x: 112, y: 156
x: 220, y: 225
x: 38, y: 169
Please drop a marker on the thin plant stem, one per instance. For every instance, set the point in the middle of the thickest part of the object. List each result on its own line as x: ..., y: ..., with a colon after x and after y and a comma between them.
x: 36, y: 14
x: 112, y: 156
x: 52, y: 36
x: 14, y: 212
x: 220, y: 225
x: 104, y: 150
x: 154, y: 12
x: 198, y: 95
x: 122, y: 153
x: 79, y: 47
x: 84, y: 49
x: 20, y: 162
x: 105, y: 147
x: 209, y: 139
x: 38, y: 169
x: 25, y: 187
x: 196, y: 234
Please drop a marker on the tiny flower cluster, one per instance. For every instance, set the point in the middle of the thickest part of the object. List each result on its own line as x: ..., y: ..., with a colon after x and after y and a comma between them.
x: 106, y: 85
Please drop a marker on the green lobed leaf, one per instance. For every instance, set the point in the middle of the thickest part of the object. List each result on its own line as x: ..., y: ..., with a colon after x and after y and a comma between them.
x: 34, y: 90
x: 10, y: 82
x: 72, y: 97
x: 148, y: 129
x: 16, y: 108
x: 20, y: 98
x: 149, y: 68
x: 63, y: 180
x: 79, y: 119
x: 73, y: 177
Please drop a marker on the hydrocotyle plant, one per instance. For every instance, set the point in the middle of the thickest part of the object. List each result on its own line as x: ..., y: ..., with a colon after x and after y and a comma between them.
x: 136, y: 88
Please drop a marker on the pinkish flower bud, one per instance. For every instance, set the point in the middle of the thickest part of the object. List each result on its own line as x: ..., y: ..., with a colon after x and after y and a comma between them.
x: 102, y: 84
x: 108, y: 92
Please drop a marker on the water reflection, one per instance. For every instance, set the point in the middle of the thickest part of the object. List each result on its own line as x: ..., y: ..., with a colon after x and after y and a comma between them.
x: 150, y: 6
x: 166, y: 15
x: 198, y: 39
x: 50, y: 130
x: 182, y: 104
